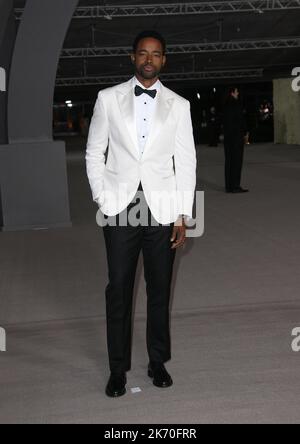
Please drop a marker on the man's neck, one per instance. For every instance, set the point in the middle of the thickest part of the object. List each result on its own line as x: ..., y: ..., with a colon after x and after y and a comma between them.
x: 147, y: 83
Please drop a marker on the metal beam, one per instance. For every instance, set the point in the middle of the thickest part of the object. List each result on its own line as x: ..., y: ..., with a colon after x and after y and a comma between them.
x: 186, y: 8
x: 201, y: 75
x: 235, y: 45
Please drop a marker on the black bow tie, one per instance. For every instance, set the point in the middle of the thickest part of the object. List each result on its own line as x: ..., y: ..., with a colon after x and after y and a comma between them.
x: 139, y: 91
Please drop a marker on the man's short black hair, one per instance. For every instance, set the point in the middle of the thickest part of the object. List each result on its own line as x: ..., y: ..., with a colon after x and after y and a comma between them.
x: 149, y: 34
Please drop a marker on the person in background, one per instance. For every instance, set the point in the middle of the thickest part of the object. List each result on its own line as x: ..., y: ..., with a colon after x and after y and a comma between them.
x: 213, y: 127
x: 234, y: 133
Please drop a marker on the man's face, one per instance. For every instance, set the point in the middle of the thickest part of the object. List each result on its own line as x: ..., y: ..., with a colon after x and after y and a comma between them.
x: 149, y: 58
x: 236, y: 93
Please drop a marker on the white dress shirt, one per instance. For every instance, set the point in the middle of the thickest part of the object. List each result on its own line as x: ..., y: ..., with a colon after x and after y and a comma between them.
x: 144, y: 110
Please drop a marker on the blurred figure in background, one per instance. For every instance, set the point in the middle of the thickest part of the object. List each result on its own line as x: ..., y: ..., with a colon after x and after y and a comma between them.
x: 84, y: 125
x: 234, y: 133
x: 247, y: 138
x: 213, y: 127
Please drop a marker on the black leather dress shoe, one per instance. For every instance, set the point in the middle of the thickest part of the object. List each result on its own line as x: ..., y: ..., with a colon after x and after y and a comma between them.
x: 161, y: 377
x: 116, y: 385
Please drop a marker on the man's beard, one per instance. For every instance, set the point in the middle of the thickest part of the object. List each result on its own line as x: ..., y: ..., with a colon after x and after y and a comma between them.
x: 147, y: 75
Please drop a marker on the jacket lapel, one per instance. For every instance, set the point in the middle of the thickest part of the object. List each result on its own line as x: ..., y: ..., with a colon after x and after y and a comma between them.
x: 125, y: 98
x: 161, y: 113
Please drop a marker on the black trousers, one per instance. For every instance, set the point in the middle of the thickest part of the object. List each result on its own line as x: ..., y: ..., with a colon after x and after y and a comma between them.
x: 234, y: 156
x: 123, y: 245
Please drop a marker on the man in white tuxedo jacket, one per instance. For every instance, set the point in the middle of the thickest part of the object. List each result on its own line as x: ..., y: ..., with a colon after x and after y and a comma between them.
x: 148, y: 132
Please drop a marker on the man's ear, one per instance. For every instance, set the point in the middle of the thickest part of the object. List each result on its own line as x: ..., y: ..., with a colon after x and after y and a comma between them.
x: 132, y: 58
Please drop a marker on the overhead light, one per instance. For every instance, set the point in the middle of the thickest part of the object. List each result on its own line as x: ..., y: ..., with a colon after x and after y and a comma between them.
x: 214, y: 90
x: 108, y: 17
x: 67, y: 102
x: 259, y: 11
x: 199, y: 96
x: 70, y: 105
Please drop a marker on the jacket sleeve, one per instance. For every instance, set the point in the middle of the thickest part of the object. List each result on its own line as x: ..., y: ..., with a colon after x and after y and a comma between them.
x: 185, y: 162
x: 96, y: 147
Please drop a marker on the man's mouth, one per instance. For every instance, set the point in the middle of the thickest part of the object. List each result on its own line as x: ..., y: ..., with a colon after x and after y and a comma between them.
x: 148, y: 68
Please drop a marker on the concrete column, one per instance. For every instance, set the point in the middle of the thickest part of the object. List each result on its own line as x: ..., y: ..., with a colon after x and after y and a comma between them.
x: 7, y: 41
x: 33, y: 178
x: 286, y: 112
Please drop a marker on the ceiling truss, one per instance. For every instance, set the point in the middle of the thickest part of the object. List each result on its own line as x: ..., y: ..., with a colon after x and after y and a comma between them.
x: 190, y: 48
x: 201, y: 75
x: 183, y: 8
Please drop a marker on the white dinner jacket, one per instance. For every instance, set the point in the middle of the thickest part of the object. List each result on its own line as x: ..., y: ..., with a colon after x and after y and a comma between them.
x: 167, y: 167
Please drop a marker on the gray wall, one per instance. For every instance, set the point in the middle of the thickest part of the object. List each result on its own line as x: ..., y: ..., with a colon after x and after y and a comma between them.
x: 286, y: 112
